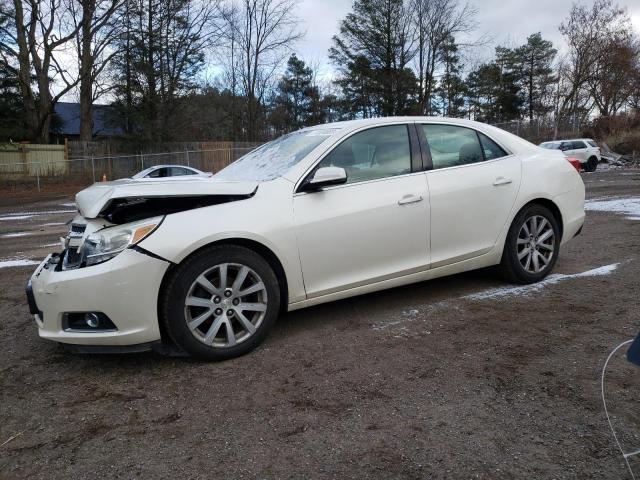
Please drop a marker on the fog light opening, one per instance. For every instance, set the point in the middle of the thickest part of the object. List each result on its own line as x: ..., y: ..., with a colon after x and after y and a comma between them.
x: 87, y: 322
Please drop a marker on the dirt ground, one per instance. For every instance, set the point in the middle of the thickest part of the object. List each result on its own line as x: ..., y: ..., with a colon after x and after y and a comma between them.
x: 443, y: 379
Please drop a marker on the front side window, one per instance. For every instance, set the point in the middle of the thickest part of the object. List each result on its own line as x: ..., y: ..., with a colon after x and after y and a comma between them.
x: 451, y: 146
x: 375, y: 153
x: 159, y: 173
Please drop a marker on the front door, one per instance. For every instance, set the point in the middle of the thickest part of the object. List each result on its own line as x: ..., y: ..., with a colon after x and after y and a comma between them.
x: 372, y: 228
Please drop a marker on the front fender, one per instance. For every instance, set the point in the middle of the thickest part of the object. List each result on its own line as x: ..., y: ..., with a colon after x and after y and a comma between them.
x: 264, y: 219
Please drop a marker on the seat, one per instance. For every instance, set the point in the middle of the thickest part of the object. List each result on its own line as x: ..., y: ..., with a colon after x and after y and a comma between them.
x: 470, y: 152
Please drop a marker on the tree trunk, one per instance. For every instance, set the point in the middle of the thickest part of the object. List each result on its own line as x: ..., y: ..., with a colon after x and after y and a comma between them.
x: 86, y: 73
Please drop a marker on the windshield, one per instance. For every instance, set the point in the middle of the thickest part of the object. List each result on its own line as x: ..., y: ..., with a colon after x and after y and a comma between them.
x: 273, y: 159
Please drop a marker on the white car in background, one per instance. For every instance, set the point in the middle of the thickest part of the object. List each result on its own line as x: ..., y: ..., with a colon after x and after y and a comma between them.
x: 583, y: 149
x: 174, y: 172
x: 321, y: 214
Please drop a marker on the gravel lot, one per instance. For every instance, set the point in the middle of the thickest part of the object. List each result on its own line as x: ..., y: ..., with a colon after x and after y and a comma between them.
x: 464, y: 377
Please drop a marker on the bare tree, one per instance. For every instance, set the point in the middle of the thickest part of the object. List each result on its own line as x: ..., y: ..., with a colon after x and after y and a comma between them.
x: 161, y: 52
x: 612, y: 83
x: 436, y: 21
x: 259, y: 34
x: 42, y: 30
x: 587, y: 31
x: 98, y: 28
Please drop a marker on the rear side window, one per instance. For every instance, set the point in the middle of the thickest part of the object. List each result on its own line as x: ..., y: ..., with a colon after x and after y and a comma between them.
x: 577, y: 145
x: 372, y: 154
x: 451, y: 146
x: 490, y: 148
x: 177, y: 171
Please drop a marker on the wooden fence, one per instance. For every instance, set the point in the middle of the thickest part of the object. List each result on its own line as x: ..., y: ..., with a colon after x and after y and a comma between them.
x: 28, y: 159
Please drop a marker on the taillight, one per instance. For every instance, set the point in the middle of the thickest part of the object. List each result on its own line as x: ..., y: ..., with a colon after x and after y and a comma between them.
x: 575, y: 162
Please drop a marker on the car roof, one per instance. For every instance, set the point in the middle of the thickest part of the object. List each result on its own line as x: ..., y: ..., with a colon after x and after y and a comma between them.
x: 363, y: 122
x: 170, y: 165
x: 570, y: 140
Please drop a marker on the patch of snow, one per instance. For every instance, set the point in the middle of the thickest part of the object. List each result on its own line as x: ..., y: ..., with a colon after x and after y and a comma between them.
x: 43, y: 212
x: 16, y: 217
x: 15, y: 234
x: 52, y: 224
x: 20, y: 262
x: 629, y: 206
x: 56, y: 244
x: 70, y: 204
x: 414, y: 315
x: 534, y: 287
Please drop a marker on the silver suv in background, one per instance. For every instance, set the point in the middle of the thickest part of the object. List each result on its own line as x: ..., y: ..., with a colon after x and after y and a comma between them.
x: 583, y: 149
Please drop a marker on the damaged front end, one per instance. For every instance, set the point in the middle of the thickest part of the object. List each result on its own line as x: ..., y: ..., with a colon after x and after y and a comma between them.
x: 119, y: 215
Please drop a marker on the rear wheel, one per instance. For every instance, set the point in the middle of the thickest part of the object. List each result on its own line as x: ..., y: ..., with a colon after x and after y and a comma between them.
x: 532, y: 245
x: 591, y: 164
x: 221, y: 302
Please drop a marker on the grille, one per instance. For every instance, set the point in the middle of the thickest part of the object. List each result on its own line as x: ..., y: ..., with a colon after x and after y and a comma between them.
x: 76, y: 230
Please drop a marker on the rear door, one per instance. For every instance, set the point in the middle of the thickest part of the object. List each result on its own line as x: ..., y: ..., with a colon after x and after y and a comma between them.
x: 472, y: 190
x: 576, y: 149
x: 374, y: 227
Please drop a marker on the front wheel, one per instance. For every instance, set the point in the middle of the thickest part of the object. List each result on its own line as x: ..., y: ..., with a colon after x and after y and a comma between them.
x: 532, y: 245
x: 220, y: 303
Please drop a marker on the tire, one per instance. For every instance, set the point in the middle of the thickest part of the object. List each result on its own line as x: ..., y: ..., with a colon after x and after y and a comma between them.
x: 591, y: 165
x: 200, y: 326
x: 519, y: 261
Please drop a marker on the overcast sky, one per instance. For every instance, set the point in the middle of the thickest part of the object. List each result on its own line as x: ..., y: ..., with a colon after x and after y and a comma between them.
x: 505, y: 22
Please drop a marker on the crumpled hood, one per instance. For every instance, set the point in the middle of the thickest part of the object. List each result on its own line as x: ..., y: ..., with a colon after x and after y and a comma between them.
x: 93, y: 200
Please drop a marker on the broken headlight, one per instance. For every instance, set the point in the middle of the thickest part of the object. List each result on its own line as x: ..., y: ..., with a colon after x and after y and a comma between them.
x: 105, y: 244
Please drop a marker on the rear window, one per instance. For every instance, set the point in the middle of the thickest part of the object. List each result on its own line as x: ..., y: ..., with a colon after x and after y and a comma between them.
x: 592, y: 143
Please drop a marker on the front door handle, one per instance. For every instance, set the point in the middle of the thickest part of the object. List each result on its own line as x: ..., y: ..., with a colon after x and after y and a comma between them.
x: 410, y: 199
x: 501, y: 181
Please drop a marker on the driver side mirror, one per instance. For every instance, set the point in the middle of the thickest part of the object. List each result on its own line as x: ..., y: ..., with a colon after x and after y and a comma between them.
x: 326, y: 176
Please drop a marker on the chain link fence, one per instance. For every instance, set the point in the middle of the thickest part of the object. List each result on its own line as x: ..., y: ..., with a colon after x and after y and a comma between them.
x: 541, y: 131
x: 87, y: 170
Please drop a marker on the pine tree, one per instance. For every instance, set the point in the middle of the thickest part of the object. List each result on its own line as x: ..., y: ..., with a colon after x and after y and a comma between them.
x: 451, y: 89
x: 534, y: 60
x: 372, y: 53
x: 297, y: 103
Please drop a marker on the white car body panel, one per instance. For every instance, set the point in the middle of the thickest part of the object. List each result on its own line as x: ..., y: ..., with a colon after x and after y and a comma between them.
x: 359, y: 233
x: 459, y: 196
x: 338, y: 242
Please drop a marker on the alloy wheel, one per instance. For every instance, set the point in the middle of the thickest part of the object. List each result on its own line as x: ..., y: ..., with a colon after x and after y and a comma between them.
x: 225, y: 305
x: 535, y: 244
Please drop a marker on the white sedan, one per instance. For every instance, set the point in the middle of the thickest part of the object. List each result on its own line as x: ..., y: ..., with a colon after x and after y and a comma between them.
x: 320, y: 214
x: 174, y: 172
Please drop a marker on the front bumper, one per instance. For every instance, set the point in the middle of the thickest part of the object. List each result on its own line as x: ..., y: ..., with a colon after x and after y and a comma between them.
x: 124, y: 288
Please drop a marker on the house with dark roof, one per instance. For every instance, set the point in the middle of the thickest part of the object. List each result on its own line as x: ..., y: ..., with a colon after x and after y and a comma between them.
x: 67, y: 122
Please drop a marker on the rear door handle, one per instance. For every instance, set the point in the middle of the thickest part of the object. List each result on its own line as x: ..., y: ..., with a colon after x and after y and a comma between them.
x: 501, y: 181
x: 410, y: 199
